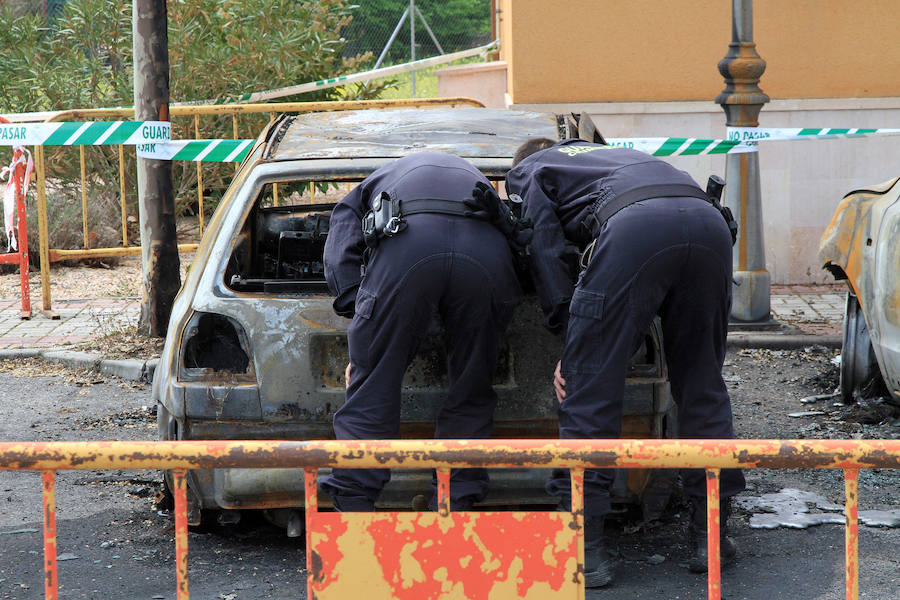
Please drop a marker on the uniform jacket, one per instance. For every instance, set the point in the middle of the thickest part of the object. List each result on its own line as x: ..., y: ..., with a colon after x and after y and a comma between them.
x: 558, y: 186
x: 416, y: 176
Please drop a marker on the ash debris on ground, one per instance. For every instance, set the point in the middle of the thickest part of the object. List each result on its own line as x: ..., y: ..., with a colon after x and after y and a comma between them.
x: 144, y: 417
x: 799, y: 509
x: 803, y: 385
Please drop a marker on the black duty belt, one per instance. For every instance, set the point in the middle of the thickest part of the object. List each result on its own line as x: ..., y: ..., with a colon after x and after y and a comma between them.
x: 600, y: 214
x: 386, y: 218
x: 433, y: 205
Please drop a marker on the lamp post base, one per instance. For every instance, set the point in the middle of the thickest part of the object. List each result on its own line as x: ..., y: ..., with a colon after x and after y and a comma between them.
x: 750, y: 297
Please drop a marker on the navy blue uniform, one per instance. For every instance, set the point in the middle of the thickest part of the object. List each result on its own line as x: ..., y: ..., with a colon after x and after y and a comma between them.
x: 458, y: 267
x: 667, y: 256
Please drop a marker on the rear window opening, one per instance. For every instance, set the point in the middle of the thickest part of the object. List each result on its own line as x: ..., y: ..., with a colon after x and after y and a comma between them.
x: 280, y: 245
x: 279, y: 249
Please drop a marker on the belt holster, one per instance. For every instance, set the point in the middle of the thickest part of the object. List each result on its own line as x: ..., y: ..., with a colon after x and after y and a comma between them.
x: 384, y: 220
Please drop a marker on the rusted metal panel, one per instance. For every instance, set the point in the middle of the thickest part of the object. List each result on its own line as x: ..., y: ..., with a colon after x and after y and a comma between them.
x: 611, y: 453
x: 426, y: 555
x: 441, y: 554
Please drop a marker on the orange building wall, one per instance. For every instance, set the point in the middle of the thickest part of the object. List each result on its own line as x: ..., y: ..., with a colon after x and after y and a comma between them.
x: 652, y: 50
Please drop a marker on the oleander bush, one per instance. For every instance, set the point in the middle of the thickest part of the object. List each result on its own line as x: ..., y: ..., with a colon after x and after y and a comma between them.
x: 82, y: 58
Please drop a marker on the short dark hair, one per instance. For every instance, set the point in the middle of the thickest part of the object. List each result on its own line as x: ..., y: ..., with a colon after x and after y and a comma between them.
x: 530, y: 147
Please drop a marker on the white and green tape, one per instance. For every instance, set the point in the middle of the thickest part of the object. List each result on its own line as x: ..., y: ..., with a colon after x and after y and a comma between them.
x: 674, y: 146
x: 96, y: 133
x: 153, y: 139
x: 197, y: 150
x: 753, y: 135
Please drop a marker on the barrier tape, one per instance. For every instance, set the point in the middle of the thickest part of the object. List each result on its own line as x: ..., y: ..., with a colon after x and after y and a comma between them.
x: 95, y: 133
x: 237, y: 150
x: 752, y: 135
x: 681, y: 146
x: 153, y: 138
x: 197, y: 150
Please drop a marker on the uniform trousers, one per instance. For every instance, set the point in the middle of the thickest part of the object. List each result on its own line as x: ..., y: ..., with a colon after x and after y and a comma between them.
x: 670, y: 257
x: 462, y: 270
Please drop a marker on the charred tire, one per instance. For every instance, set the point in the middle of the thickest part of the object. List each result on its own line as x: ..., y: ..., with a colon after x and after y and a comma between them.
x: 859, y: 366
x: 165, y: 426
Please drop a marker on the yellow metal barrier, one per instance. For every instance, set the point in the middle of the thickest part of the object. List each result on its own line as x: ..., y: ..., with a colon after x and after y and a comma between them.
x: 48, y: 255
x: 564, y: 552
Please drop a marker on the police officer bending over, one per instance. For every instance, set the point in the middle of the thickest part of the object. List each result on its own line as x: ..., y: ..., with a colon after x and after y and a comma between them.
x: 435, y: 238
x: 656, y: 245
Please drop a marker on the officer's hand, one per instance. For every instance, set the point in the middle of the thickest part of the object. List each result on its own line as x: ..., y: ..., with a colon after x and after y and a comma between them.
x: 559, y: 383
x: 521, y: 234
x: 484, y: 203
x: 347, y: 376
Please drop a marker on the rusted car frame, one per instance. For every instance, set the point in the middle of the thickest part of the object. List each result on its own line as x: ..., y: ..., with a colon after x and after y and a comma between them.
x: 862, y: 246
x: 255, y: 352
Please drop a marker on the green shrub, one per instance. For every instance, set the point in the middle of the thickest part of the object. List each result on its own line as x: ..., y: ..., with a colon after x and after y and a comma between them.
x: 83, y: 59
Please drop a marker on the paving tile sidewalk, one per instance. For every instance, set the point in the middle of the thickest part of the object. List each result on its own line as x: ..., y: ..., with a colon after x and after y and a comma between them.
x: 814, y: 310
x: 79, y: 321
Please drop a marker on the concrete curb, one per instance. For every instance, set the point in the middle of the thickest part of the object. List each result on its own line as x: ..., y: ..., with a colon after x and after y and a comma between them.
x: 131, y: 369
x: 782, y: 341
x: 14, y: 354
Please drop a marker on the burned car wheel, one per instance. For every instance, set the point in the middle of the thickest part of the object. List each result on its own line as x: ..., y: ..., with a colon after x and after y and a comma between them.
x: 860, y: 374
x: 165, y: 432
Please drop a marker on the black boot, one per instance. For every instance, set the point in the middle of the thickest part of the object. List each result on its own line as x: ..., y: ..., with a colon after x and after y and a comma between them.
x: 697, y: 529
x: 597, y: 564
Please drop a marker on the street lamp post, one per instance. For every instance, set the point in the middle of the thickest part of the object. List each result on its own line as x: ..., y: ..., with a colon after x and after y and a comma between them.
x: 742, y: 99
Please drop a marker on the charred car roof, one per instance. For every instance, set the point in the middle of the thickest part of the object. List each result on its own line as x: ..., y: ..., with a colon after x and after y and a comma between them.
x: 476, y: 133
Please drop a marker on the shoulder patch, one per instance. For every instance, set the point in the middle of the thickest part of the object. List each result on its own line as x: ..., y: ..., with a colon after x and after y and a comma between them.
x: 574, y: 150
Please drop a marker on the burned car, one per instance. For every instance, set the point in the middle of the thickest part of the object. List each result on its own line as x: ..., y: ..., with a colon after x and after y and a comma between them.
x: 255, y: 352
x: 862, y: 246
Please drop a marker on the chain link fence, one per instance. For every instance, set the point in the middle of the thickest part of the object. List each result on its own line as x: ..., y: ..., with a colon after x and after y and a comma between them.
x: 399, y: 31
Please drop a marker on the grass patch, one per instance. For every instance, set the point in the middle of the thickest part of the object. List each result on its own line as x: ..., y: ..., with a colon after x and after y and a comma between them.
x: 426, y: 81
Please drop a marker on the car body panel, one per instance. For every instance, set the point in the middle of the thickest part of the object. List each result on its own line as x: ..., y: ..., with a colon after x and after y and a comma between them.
x: 862, y: 245
x: 396, y: 133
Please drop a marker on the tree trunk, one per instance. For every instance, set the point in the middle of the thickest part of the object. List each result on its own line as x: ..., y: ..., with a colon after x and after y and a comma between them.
x: 156, y: 199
